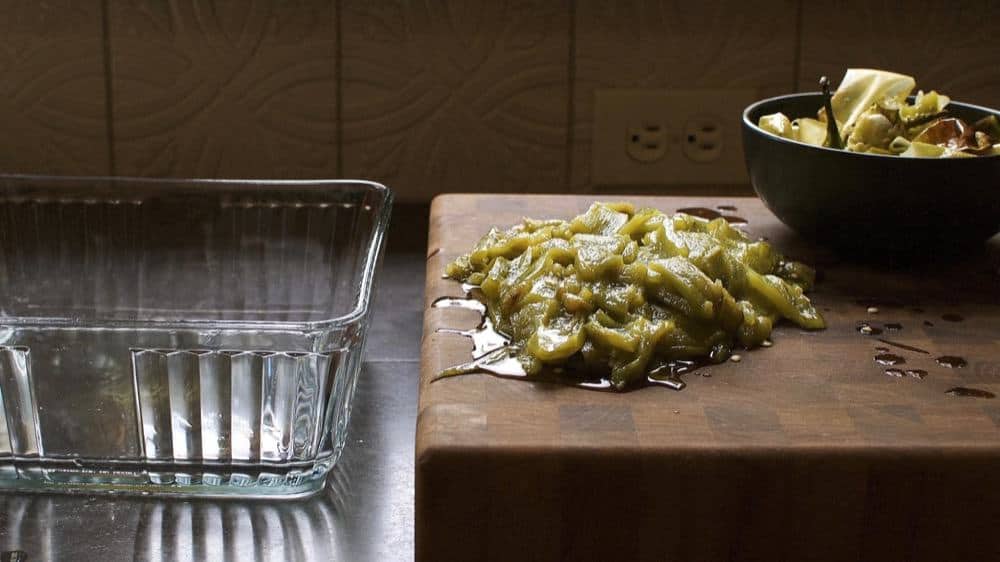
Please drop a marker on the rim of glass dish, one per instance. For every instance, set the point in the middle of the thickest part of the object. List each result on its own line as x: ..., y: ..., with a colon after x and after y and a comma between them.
x: 373, y: 251
x: 753, y: 107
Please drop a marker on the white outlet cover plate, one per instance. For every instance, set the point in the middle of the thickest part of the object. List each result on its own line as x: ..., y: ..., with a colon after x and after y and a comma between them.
x: 618, y: 110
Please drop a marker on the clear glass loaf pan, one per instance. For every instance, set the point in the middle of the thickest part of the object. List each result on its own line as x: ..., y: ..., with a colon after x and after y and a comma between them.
x: 187, y: 337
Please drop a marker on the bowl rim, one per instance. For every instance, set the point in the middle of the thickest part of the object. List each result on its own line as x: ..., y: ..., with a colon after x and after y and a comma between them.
x: 785, y: 97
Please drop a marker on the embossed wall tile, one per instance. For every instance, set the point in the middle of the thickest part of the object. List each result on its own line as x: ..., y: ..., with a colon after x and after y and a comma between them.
x: 951, y: 47
x: 224, y: 88
x: 52, y: 103
x: 677, y: 44
x: 456, y: 96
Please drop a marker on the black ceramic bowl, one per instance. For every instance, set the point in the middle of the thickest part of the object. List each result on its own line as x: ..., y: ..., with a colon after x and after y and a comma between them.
x: 867, y: 202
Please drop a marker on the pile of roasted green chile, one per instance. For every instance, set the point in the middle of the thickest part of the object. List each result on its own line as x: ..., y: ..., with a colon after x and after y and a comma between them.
x: 618, y: 292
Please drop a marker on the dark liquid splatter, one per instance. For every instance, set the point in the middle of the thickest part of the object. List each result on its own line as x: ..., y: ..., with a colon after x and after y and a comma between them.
x: 889, y: 359
x: 894, y: 326
x: 903, y: 346
x: 900, y: 373
x: 928, y: 323
x: 711, y: 214
x: 951, y: 361
x: 970, y: 392
x: 868, y: 329
x: 881, y: 348
x: 950, y: 317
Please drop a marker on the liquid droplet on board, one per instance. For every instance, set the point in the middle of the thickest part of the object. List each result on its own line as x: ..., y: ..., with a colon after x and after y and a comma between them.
x: 970, y: 392
x: 868, y: 329
x: 457, y: 302
x: 889, y: 359
x: 951, y: 361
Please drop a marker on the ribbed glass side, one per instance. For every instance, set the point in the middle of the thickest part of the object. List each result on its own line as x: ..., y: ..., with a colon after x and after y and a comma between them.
x: 207, y: 421
x: 243, y: 405
x: 20, y: 434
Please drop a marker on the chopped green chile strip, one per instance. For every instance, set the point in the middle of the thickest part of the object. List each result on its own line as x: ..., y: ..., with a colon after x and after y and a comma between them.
x: 619, y: 292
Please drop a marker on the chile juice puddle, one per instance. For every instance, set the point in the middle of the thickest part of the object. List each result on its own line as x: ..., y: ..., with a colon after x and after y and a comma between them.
x: 965, y: 392
x: 493, y: 354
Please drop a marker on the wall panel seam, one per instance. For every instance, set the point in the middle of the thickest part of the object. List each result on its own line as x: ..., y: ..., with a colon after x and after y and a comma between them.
x: 797, y: 70
x: 338, y: 70
x: 108, y: 85
x: 570, y: 95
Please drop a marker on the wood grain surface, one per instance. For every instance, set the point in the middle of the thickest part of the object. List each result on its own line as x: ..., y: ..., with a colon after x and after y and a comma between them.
x: 803, y: 451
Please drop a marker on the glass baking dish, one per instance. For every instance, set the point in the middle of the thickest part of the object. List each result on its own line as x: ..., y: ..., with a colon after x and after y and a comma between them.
x: 182, y: 337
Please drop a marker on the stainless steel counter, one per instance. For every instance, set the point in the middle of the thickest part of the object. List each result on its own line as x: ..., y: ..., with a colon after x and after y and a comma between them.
x: 365, y: 512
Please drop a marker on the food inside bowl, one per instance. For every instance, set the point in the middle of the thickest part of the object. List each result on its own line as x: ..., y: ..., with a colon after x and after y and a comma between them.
x: 619, y: 293
x: 873, y: 115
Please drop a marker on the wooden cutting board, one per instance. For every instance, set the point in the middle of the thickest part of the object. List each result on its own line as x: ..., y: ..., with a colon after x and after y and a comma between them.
x: 806, y: 450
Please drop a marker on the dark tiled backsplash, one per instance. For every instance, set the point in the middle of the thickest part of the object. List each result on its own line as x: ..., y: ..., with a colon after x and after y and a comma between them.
x: 464, y: 96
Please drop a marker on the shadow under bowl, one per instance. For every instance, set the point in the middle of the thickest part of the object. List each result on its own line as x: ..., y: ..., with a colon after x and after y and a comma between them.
x: 872, y: 204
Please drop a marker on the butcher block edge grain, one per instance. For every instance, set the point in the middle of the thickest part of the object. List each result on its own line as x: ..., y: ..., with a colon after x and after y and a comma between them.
x: 499, y: 476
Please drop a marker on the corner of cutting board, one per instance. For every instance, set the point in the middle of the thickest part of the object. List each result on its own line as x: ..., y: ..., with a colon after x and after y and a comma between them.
x: 444, y: 429
x: 446, y: 200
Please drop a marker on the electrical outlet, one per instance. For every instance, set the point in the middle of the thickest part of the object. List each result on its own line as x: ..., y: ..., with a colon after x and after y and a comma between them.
x: 702, y: 140
x: 646, y: 142
x: 663, y: 137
